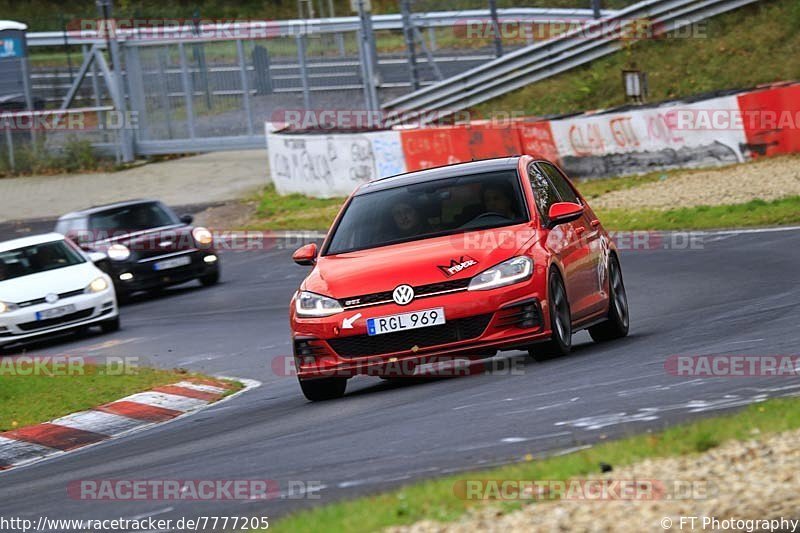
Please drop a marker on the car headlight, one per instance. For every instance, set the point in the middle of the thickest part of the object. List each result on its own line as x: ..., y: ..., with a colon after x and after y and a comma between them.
x: 310, y: 305
x: 118, y: 252
x: 7, y: 307
x: 98, y: 285
x: 202, y: 236
x: 508, y: 272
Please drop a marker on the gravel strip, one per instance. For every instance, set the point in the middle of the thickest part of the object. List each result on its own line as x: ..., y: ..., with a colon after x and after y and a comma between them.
x: 750, y: 480
x: 767, y: 179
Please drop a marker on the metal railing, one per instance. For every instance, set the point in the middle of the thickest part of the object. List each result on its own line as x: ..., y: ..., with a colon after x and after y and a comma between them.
x: 548, y: 58
x: 328, y: 25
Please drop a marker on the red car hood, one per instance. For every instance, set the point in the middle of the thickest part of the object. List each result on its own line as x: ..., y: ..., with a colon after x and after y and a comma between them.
x: 415, y: 263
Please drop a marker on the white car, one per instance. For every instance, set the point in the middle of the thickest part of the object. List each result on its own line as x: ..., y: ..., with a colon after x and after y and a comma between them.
x: 47, y: 285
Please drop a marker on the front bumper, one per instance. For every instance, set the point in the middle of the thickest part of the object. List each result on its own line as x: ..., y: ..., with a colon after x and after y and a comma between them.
x: 478, y: 324
x: 139, y: 274
x: 22, y: 324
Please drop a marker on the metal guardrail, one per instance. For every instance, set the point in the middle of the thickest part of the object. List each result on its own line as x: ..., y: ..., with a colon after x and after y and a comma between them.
x: 548, y: 58
x: 275, y: 28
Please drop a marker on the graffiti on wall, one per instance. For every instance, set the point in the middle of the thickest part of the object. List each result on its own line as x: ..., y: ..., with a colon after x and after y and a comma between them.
x: 332, y: 165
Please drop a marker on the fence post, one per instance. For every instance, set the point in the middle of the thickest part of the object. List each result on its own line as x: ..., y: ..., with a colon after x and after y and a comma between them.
x: 368, y: 61
x: 301, y: 58
x: 245, y: 85
x: 408, y: 33
x: 188, y: 92
x: 596, y: 8
x: 10, y: 140
x: 498, y: 42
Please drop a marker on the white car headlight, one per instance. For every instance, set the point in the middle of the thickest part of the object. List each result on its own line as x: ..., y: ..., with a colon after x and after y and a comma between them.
x: 202, y: 236
x: 118, y: 252
x: 98, y: 285
x: 7, y: 307
x: 311, y: 305
x: 508, y: 272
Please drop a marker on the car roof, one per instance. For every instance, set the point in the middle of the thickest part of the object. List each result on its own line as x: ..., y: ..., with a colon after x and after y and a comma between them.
x: 437, y: 173
x: 100, y: 208
x: 31, y: 240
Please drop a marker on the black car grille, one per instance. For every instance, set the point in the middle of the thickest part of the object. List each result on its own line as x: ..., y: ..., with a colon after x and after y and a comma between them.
x: 50, y: 322
x: 419, y: 292
x: 61, y: 296
x: 400, y: 341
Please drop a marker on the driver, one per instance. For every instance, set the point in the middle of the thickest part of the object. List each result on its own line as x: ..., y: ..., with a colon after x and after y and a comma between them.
x: 497, y: 198
x: 407, y: 219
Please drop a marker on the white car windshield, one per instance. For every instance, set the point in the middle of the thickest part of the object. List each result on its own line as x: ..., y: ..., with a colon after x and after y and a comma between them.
x: 37, y: 258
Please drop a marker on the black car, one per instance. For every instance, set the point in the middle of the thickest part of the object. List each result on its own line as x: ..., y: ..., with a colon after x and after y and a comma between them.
x: 148, y: 246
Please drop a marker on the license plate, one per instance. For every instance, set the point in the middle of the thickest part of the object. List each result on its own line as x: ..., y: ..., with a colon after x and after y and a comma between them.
x: 172, y: 263
x: 55, y: 312
x: 413, y: 320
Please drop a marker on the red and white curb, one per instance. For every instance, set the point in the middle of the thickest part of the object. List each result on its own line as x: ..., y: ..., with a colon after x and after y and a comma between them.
x: 132, y: 413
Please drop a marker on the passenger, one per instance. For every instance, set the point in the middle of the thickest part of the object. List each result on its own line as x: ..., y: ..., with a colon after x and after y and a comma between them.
x: 498, y: 198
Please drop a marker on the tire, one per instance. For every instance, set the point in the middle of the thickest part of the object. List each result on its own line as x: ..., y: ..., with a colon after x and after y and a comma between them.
x: 210, y: 279
x: 560, y: 342
x: 319, y: 390
x: 123, y: 297
x: 616, y: 326
x: 111, y: 325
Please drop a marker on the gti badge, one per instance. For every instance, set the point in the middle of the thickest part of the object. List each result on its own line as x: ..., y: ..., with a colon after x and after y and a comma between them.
x: 403, y: 294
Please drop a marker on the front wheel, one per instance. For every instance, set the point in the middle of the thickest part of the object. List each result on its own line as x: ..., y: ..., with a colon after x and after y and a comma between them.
x: 318, y: 390
x: 560, y: 342
x: 616, y: 326
x: 210, y: 279
x: 111, y: 325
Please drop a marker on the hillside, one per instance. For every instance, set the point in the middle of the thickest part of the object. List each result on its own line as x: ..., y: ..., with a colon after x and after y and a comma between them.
x: 756, y: 44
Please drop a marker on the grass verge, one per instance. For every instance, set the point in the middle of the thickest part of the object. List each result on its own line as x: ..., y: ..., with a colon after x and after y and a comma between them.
x: 756, y: 213
x: 28, y: 397
x: 435, y: 499
x: 293, y: 211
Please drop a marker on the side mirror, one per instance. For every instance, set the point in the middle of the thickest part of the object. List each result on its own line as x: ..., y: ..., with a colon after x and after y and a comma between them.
x: 306, y: 255
x: 187, y: 219
x: 563, y: 212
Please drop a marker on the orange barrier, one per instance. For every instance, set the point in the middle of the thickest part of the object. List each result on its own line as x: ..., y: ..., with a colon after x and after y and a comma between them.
x: 536, y: 139
x: 444, y: 145
x: 771, y: 120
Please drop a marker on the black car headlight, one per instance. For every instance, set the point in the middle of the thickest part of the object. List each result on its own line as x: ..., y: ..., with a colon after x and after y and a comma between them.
x: 508, y: 272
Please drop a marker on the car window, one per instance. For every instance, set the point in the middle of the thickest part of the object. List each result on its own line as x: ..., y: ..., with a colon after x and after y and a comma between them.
x: 37, y: 258
x: 429, y: 209
x: 131, y: 218
x: 565, y: 191
x: 544, y: 193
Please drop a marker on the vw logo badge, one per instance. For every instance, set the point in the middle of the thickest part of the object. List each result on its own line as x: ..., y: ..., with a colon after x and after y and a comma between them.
x: 51, y: 298
x: 403, y: 294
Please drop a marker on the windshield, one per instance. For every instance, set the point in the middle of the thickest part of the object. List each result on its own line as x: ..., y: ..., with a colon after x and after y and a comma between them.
x: 37, y: 258
x: 429, y: 209
x: 132, y: 218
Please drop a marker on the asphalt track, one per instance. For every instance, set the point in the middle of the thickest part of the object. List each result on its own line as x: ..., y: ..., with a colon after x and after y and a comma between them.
x: 734, y: 293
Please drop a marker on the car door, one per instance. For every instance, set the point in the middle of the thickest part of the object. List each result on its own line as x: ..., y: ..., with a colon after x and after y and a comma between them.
x: 562, y: 240
x: 588, y: 259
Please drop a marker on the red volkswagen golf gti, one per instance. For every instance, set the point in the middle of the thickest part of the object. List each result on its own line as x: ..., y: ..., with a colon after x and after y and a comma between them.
x: 454, y: 262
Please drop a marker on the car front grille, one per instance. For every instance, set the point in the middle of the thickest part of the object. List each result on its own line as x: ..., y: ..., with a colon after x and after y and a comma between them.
x: 50, y: 322
x: 61, y: 296
x: 400, y: 341
x: 419, y: 292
